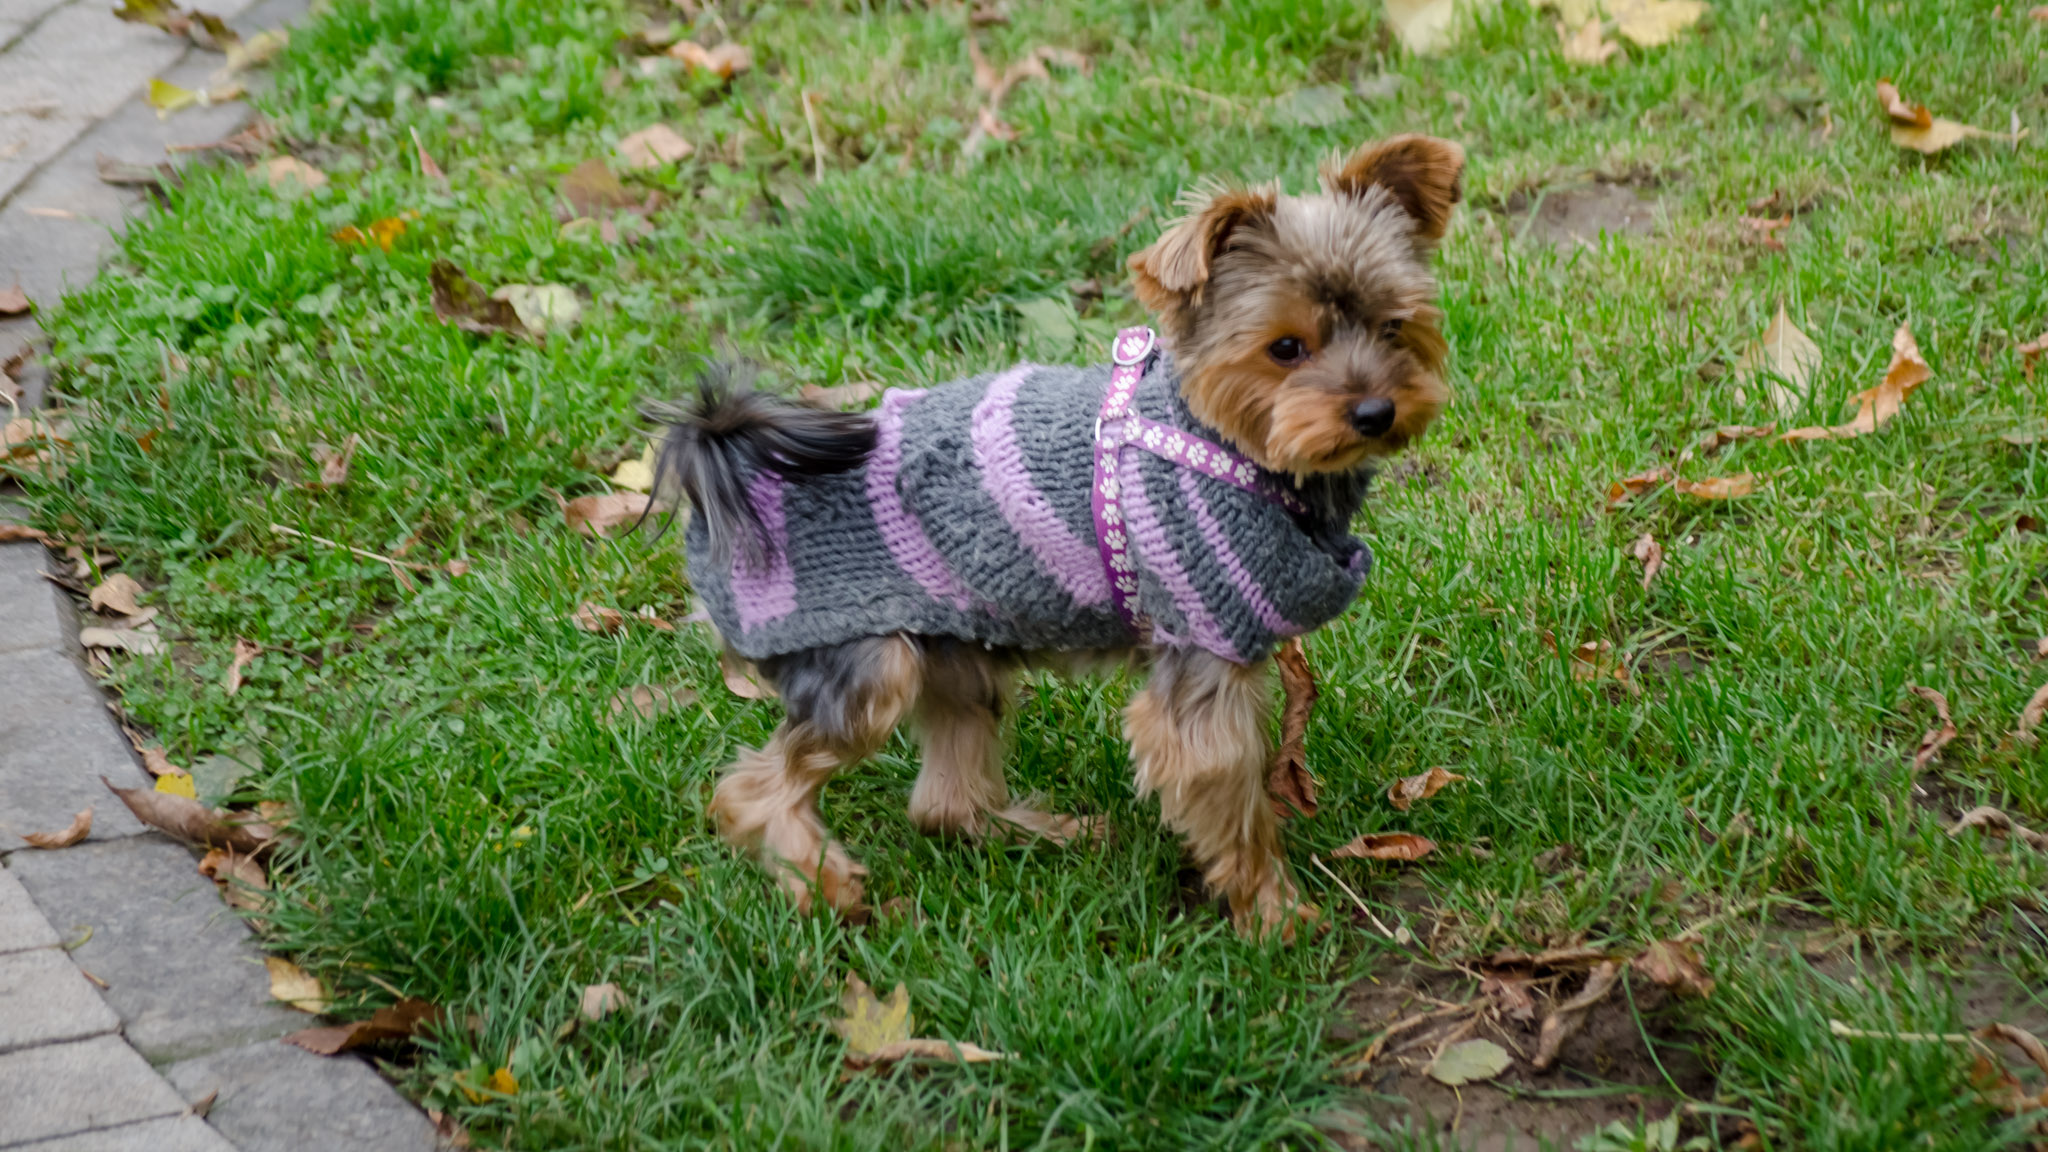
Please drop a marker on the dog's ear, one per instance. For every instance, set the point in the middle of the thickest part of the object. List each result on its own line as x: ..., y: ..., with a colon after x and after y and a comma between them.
x: 1176, y: 266
x: 1420, y: 172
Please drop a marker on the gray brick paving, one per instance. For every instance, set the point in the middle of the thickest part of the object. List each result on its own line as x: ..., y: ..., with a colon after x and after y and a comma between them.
x: 185, y: 984
x: 48, y: 1001
x: 61, y: 1089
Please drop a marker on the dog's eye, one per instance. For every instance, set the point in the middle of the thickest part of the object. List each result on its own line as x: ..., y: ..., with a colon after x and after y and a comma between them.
x: 1390, y: 329
x: 1287, y: 350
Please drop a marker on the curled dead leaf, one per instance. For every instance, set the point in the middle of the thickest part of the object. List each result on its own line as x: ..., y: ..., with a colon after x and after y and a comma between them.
x: 463, y: 302
x: 1403, y: 793
x: 1386, y: 846
x: 1784, y: 360
x: 401, y: 1021
x: 1621, y: 490
x: 295, y: 986
x: 1876, y: 406
x: 1764, y: 230
x: 1288, y: 781
x: 593, y: 515
x: 1995, y: 821
x: 187, y: 819
x: 725, y: 61
x: 1596, y: 661
x: 2030, y: 352
x: 1931, y: 744
x: 742, y: 679
x: 79, y: 829
x: 334, y: 462
x: 1900, y: 112
x: 1567, y: 1018
x: 1717, y: 487
x: 598, y: 618
x: 877, y: 1031
x: 16, y: 533
x: 2036, y: 705
x: 600, y: 1001
x: 116, y: 593
x: 140, y: 641
x: 245, y: 651
x: 1674, y: 965
x: 242, y: 881
x: 1646, y: 549
x: 1728, y: 434
x: 1509, y: 995
x: 655, y: 146
x: 1914, y: 127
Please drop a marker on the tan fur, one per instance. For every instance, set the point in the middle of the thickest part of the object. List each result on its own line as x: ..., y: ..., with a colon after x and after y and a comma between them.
x: 1422, y: 172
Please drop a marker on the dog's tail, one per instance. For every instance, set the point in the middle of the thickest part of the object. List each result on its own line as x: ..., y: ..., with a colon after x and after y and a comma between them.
x: 726, y: 432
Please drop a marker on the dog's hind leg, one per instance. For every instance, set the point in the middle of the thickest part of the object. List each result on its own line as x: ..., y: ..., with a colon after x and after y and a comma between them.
x: 960, y: 789
x: 842, y: 704
x: 1198, y: 740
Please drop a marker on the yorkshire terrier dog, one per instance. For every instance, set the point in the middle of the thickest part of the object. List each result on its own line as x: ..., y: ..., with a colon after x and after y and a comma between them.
x: 1185, y: 508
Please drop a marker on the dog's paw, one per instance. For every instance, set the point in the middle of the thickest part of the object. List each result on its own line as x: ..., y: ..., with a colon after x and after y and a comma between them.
x: 1275, y: 908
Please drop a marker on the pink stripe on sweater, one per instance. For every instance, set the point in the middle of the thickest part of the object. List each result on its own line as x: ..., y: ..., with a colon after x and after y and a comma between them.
x: 1072, y: 562
x: 1163, y: 561
x: 768, y: 594
x: 1240, y: 577
x: 904, y: 536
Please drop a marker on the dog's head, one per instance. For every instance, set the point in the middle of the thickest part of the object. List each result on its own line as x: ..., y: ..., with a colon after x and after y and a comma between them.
x: 1305, y: 327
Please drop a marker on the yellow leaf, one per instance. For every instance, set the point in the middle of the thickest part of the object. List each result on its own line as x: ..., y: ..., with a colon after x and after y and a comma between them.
x: 293, y: 985
x: 636, y: 475
x: 1648, y: 23
x: 1587, y: 45
x: 1717, y: 487
x: 387, y: 231
x: 504, y: 1083
x: 871, y: 1024
x: 1425, y: 27
x: 177, y: 784
x: 167, y: 98
x: 1784, y: 354
x: 1938, y: 135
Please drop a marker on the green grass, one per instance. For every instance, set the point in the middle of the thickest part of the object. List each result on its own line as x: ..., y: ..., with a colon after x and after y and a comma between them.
x: 476, y: 827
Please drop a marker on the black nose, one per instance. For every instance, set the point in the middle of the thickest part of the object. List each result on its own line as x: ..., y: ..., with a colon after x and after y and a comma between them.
x: 1373, y: 416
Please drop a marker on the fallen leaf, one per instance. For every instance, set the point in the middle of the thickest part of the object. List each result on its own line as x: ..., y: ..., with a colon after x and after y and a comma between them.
x: 1728, y: 434
x: 1595, y: 661
x: 428, y: 168
x: 742, y: 679
x: 13, y: 301
x: 1914, y: 127
x: 1646, y: 549
x: 156, y: 760
x: 599, y: 619
x: 1931, y: 743
x: 1288, y: 781
x: 245, y: 651
x: 636, y: 475
x: 655, y: 146
x: 17, y: 533
x: 187, y: 819
x: 178, y: 784
x: 448, y: 1130
x: 255, y: 52
x: 1900, y: 112
x: 878, y: 1031
x: 1649, y: 23
x: 1674, y: 965
x: 1717, y: 487
x: 601, y: 1000
x: 1764, y: 229
x: 463, y: 302
x: 647, y: 701
x: 116, y: 593
x: 1467, y: 1061
x: 1407, y: 790
x: 1620, y: 491
x: 1509, y: 995
x: 1567, y: 1018
x: 593, y: 515
x: 541, y: 308
x: 590, y: 189
x: 141, y: 642
x: 401, y: 1021
x: 1783, y: 356
x: 383, y: 233
x: 291, y: 984
x: 123, y: 174
x: 281, y: 172
x: 155, y: 13
x: 843, y: 396
x: 1424, y: 27
x: 81, y: 826
x: 1386, y: 846
x: 725, y: 61
x: 1998, y: 823
x: 241, y: 880
x: 1876, y: 406
x: 1588, y: 45
x: 2037, y: 704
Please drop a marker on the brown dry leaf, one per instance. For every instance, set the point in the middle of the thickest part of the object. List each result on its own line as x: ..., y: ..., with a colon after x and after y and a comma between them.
x: 1595, y: 661
x: 592, y: 515
x: 1386, y: 846
x: 1717, y: 487
x: 1649, y: 23
x: 1998, y: 823
x: 647, y: 701
x: 725, y: 61
x: 16, y: 533
x: 463, y: 302
x: 844, y: 397
x: 1728, y: 434
x: 1509, y: 995
x: 1898, y: 111
x: 241, y: 880
x: 1646, y: 549
x: 598, y: 618
x: 116, y: 593
x: 1674, y: 965
x: 1931, y: 743
x: 1876, y: 406
x: 401, y: 1021
x: 600, y: 1001
x: 1288, y: 781
x: 1635, y: 485
x: 1764, y: 229
x: 878, y: 1031
x: 655, y: 146
x: 281, y: 172
x: 334, y: 462
x: 1403, y: 793
x: 187, y: 819
x: 142, y: 641
x: 245, y: 651
x: 591, y: 190
x: 80, y: 828
x: 742, y: 678
x: 295, y: 987
x: 1567, y: 1018
x: 1588, y: 45
x: 1914, y: 127
x: 13, y: 301
x: 428, y: 168
x: 1783, y: 356
x: 2037, y: 704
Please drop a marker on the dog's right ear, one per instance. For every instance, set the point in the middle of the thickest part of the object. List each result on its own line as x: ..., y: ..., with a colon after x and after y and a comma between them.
x: 1172, y: 271
x: 1422, y: 173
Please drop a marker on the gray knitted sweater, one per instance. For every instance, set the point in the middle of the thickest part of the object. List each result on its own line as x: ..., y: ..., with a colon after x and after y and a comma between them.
x: 971, y: 519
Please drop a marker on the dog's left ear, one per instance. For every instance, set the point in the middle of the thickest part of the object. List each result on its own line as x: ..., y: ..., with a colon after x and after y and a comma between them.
x: 1420, y: 172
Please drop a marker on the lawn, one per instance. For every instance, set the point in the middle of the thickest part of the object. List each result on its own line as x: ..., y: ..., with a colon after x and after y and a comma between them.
x: 477, y: 824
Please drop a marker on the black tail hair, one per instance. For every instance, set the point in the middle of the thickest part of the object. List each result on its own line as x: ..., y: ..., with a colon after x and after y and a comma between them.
x: 726, y: 432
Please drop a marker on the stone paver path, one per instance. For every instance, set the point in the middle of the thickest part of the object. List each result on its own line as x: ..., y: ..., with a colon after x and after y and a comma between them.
x: 128, y: 990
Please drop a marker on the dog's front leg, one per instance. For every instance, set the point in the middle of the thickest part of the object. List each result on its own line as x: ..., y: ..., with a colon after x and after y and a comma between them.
x: 1198, y: 740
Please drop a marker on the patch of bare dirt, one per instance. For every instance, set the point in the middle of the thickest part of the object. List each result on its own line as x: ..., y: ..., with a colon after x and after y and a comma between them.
x: 1576, y: 215
x: 1609, y: 1070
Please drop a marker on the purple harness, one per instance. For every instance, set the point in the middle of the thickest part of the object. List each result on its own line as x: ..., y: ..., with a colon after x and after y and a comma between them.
x: 1120, y: 427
